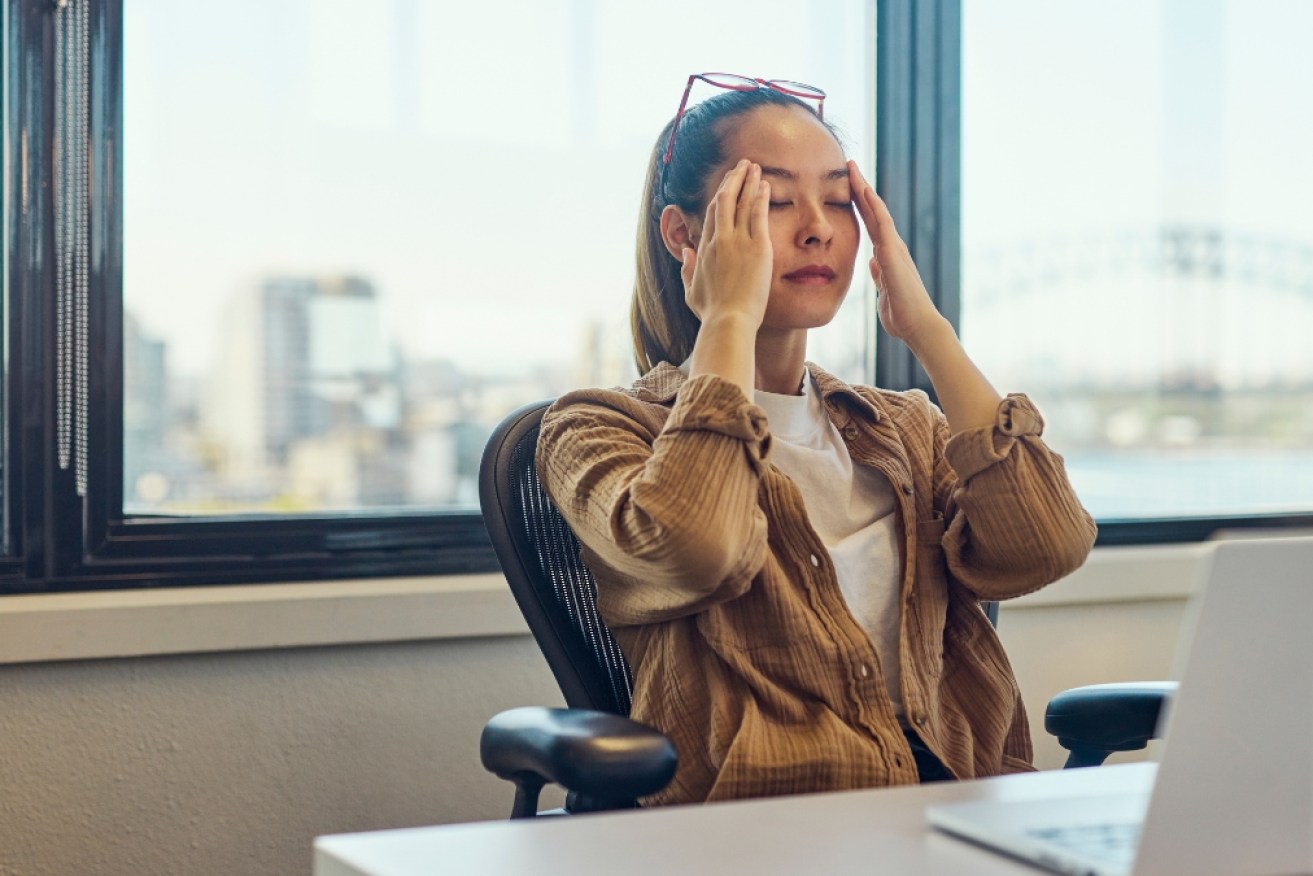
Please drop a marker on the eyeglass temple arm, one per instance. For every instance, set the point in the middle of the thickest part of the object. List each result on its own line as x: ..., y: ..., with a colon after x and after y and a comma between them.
x: 679, y: 117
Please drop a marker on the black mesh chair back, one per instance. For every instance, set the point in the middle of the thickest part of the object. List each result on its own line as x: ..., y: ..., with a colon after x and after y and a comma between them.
x: 539, y: 555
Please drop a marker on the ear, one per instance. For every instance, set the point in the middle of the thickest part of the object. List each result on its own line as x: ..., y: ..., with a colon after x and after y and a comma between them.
x: 679, y: 231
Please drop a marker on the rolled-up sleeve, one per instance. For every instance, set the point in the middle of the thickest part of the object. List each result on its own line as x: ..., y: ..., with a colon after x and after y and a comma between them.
x: 673, y: 513
x: 710, y: 404
x: 1015, y: 522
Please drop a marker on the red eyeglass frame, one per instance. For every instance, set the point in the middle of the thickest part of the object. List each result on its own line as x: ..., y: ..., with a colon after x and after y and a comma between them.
x: 745, y: 83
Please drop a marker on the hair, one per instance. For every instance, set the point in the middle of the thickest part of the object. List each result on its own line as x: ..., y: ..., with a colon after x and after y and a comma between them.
x: 663, y: 326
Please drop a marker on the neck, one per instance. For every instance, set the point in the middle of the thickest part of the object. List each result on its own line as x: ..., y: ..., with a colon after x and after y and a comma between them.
x: 780, y: 361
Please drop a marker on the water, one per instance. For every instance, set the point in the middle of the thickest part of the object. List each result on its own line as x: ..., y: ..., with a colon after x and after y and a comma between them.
x: 1193, y: 484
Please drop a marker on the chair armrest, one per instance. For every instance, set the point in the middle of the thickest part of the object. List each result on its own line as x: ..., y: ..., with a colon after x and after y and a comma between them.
x: 1096, y: 720
x: 603, y: 757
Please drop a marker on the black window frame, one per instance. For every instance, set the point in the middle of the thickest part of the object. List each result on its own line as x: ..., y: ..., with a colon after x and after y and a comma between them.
x: 57, y: 540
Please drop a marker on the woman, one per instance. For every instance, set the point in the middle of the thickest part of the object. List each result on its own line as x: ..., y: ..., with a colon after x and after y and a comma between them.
x: 793, y: 566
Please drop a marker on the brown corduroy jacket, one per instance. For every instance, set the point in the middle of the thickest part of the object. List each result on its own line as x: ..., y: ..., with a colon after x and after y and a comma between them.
x: 725, y: 603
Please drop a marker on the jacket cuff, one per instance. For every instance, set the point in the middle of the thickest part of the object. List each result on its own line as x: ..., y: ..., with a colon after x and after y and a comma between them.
x: 708, y: 403
x: 975, y: 450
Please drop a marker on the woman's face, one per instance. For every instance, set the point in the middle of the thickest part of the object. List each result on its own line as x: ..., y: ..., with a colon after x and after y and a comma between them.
x: 813, y: 228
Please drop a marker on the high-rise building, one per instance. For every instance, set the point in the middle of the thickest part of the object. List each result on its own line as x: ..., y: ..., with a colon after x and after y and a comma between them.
x: 303, y: 403
x: 146, y: 404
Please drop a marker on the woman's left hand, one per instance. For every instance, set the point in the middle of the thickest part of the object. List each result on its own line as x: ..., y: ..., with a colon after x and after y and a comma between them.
x: 905, y: 307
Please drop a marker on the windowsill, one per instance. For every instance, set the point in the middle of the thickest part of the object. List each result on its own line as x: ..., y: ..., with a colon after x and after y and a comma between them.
x: 1126, y: 574
x: 133, y: 623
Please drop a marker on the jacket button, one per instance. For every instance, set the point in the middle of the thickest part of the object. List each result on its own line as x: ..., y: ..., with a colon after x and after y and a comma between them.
x: 850, y: 432
x: 816, y: 561
x: 864, y: 671
x: 907, y: 488
x: 920, y: 719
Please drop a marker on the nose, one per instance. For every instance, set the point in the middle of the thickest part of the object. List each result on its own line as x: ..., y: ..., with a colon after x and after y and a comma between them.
x: 815, y: 228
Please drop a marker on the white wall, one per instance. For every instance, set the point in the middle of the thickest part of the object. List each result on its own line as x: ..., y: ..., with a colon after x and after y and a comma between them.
x: 1053, y: 648
x: 231, y: 762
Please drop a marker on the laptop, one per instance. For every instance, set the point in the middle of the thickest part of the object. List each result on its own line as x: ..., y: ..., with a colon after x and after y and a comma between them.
x: 1234, y: 787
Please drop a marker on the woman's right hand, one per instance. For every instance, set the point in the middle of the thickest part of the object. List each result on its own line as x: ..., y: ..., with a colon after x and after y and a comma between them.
x: 730, y: 273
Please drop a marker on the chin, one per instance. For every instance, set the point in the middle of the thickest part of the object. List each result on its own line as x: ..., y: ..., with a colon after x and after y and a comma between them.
x: 799, y: 321
x: 804, y: 314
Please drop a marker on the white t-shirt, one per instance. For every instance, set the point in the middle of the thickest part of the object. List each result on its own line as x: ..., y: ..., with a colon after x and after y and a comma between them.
x: 852, y: 508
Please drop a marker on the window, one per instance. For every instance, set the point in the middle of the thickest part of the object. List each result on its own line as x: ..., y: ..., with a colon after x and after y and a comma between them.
x: 327, y: 248
x: 272, y: 271
x: 353, y: 242
x: 1137, y: 250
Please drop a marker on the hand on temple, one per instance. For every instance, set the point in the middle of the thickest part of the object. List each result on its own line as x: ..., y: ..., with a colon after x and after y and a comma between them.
x: 730, y: 272
x: 906, y: 312
x: 905, y: 308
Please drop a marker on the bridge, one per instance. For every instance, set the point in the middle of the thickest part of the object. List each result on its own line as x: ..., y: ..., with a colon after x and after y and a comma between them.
x: 1144, y: 306
x: 1203, y: 253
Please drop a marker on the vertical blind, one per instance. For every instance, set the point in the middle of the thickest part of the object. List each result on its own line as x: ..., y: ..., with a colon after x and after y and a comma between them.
x: 72, y: 179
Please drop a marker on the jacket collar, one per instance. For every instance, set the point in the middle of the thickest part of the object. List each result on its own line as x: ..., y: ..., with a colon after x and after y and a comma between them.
x: 662, y: 384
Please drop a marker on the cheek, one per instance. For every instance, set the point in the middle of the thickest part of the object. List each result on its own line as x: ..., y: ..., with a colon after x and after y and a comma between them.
x: 851, y: 226
x: 781, y: 238
x: 849, y: 236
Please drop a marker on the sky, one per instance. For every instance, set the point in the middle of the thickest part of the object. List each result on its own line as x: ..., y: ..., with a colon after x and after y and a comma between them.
x: 481, y: 163
x: 1148, y: 114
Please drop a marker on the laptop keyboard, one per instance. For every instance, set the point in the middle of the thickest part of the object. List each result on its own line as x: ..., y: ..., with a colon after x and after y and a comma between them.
x: 1115, y: 843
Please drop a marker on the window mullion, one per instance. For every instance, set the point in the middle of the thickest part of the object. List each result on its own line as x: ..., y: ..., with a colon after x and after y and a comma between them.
x: 918, y: 150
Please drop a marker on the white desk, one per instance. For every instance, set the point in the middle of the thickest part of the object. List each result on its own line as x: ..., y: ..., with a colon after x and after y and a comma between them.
x: 881, y: 831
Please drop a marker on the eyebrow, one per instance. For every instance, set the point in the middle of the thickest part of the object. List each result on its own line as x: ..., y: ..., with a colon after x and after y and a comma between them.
x: 782, y: 173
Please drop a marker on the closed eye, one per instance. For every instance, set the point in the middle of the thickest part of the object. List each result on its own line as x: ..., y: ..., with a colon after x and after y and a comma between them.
x: 847, y: 206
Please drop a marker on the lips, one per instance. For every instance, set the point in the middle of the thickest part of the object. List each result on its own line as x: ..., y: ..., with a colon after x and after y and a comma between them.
x: 811, y: 273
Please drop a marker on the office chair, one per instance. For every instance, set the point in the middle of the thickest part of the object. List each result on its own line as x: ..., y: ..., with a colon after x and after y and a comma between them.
x: 592, y: 749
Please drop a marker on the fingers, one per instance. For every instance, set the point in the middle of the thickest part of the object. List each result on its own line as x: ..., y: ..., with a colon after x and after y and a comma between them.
x: 884, y: 222
x: 877, y: 218
x: 688, y: 264
x: 709, y: 225
x: 865, y: 198
x: 875, y: 214
x: 749, y: 197
x: 759, y: 224
x: 729, y: 194
x: 741, y: 200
